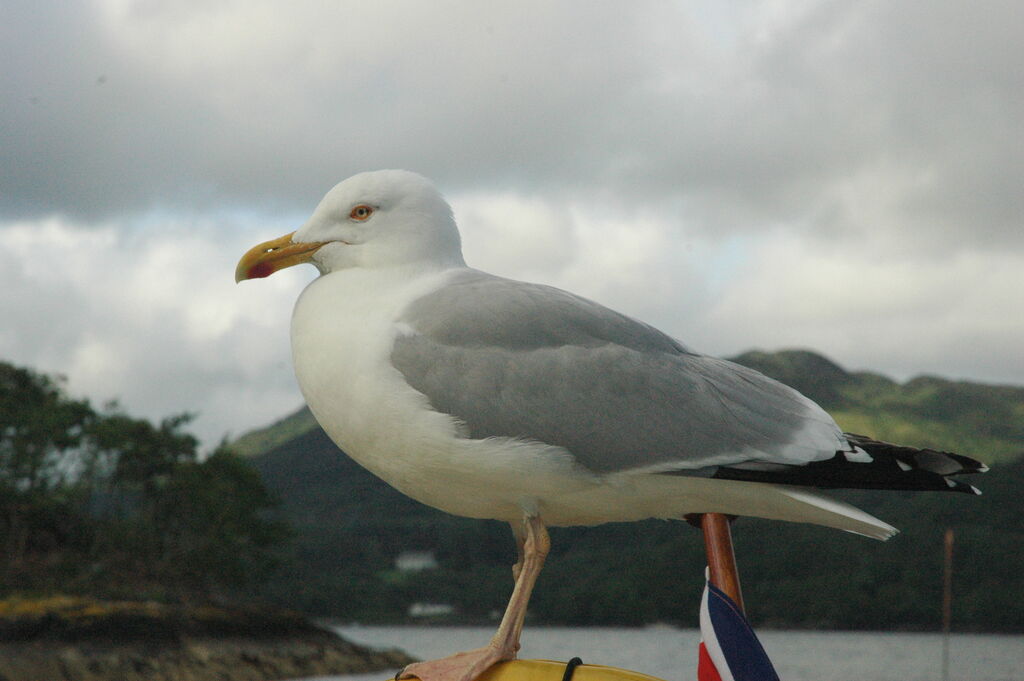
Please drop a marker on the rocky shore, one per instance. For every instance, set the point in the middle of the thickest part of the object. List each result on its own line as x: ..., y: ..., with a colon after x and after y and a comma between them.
x: 76, y: 639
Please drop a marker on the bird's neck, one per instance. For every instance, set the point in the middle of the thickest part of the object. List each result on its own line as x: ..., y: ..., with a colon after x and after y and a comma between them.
x: 395, y: 268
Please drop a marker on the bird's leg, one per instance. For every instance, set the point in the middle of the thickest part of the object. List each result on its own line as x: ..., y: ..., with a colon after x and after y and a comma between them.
x: 505, y: 643
x: 534, y: 551
x: 519, y: 533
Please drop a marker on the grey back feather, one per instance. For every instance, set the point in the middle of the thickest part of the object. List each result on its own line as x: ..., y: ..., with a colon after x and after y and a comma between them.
x: 534, y: 362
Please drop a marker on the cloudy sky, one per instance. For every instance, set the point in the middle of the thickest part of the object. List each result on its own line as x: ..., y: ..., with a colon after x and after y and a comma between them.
x: 847, y: 177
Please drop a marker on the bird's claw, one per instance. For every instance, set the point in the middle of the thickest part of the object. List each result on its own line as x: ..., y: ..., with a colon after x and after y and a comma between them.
x: 465, y: 666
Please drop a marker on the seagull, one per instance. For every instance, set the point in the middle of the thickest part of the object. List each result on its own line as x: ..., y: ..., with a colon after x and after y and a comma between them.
x: 488, y: 397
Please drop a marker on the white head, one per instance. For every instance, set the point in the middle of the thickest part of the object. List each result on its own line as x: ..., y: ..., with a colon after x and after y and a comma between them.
x: 376, y: 219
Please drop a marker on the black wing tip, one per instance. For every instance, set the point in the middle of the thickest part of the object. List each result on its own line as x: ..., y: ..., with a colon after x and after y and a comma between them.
x: 871, y: 464
x: 957, y: 486
x: 934, y: 461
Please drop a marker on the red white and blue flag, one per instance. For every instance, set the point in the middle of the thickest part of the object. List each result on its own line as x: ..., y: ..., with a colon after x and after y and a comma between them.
x: 729, y: 650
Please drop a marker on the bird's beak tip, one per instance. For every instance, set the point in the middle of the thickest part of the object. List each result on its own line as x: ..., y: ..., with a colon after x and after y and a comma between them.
x: 268, y: 257
x: 259, y: 270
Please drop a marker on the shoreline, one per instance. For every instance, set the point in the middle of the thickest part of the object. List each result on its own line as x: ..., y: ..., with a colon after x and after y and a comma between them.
x: 83, y: 639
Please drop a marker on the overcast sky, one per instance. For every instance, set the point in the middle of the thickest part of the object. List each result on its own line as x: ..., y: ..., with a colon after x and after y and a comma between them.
x: 841, y: 176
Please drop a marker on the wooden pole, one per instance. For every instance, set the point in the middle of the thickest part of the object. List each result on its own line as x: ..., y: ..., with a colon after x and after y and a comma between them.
x: 722, y: 570
x: 947, y: 599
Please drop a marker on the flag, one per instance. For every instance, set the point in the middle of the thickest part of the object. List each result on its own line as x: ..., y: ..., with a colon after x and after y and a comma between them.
x: 729, y: 650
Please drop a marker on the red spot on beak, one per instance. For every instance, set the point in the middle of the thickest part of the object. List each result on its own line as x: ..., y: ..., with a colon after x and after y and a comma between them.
x: 261, y: 270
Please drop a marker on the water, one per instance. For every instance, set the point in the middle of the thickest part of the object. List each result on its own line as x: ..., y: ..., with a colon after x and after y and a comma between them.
x: 671, y: 654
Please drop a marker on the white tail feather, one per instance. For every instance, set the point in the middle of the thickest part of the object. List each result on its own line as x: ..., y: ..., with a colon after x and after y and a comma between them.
x: 823, y: 510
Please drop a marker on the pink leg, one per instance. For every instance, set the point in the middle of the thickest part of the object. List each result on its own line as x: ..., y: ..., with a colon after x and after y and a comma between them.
x: 505, y: 643
x: 519, y: 534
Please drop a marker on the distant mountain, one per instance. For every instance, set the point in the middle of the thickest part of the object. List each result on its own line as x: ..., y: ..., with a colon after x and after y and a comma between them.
x: 277, y: 433
x: 351, y: 527
x: 985, y: 421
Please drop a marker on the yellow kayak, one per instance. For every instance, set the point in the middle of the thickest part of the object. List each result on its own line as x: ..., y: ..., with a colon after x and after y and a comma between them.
x: 547, y: 670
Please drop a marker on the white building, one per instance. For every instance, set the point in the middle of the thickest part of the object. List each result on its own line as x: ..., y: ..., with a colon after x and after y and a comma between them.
x: 415, y: 561
x: 430, y: 610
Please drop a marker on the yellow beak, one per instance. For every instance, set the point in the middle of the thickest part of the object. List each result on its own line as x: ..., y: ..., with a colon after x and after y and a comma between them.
x: 271, y: 256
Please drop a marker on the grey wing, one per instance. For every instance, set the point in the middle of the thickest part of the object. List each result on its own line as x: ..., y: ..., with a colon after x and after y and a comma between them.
x: 533, y: 362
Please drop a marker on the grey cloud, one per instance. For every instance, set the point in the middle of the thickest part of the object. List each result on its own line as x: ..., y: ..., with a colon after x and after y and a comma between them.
x: 733, y: 125
x: 484, y: 101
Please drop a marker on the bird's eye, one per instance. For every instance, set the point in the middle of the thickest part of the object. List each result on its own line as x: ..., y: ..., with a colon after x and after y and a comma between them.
x: 361, y: 212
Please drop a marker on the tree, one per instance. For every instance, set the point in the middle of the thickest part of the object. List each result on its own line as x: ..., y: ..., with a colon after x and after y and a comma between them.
x: 40, y: 428
x: 108, y: 504
x: 41, y: 435
x: 213, y: 516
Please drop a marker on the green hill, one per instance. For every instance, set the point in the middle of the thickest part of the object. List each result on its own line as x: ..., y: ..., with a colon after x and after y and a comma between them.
x: 986, y: 421
x: 351, y: 527
x: 264, y: 439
